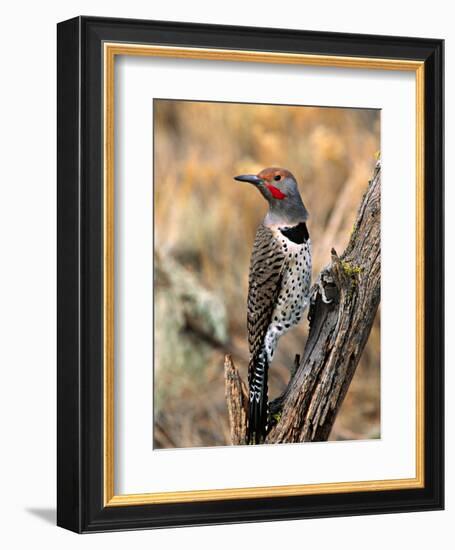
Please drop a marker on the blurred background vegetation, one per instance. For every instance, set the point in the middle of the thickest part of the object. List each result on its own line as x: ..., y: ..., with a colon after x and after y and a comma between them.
x: 204, y: 230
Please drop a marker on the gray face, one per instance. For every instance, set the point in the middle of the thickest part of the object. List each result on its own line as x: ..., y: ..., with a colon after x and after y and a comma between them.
x: 289, y: 209
x: 279, y: 188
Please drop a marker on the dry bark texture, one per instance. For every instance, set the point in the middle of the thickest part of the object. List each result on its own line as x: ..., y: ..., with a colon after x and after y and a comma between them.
x: 306, y: 411
x: 237, y: 401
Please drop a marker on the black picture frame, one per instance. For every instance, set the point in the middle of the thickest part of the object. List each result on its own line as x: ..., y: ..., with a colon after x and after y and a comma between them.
x: 80, y: 474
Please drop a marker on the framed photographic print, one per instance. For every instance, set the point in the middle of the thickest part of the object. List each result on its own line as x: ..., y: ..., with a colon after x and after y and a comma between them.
x: 250, y: 274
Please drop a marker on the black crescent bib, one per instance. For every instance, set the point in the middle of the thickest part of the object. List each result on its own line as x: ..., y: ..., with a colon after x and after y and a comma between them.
x: 297, y: 234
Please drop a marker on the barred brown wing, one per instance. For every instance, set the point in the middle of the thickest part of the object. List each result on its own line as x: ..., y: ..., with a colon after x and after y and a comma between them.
x: 266, y: 267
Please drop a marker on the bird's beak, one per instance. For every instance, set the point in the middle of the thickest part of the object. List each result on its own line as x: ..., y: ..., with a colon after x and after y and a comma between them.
x: 249, y: 178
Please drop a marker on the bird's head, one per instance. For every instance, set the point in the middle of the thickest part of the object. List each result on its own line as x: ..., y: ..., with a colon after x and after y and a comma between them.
x: 279, y: 187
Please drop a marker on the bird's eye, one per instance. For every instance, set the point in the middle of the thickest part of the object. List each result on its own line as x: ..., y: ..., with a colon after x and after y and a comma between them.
x: 277, y: 178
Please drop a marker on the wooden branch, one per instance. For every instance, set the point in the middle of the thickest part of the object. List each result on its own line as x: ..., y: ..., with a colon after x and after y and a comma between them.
x: 237, y: 401
x: 338, y: 333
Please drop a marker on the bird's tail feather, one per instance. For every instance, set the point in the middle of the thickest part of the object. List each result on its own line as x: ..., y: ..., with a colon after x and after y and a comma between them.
x: 258, y: 399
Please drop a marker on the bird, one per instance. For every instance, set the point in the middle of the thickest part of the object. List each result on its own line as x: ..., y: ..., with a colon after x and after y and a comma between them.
x: 278, y: 284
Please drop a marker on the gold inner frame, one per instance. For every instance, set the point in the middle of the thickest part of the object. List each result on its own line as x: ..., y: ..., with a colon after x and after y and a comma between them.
x: 109, y: 52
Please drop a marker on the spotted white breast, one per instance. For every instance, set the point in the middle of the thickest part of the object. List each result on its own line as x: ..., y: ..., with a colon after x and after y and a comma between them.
x: 293, y: 297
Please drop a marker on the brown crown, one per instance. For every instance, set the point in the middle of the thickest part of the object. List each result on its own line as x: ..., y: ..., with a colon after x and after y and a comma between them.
x: 269, y: 174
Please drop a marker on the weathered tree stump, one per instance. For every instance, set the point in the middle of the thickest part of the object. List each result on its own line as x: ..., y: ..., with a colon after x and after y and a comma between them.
x: 237, y: 401
x: 339, y: 330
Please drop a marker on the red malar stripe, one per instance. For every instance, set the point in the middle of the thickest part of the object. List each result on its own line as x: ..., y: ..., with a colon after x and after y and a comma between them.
x: 277, y: 194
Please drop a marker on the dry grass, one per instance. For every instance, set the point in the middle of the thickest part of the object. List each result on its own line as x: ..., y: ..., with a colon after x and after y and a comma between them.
x: 206, y: 221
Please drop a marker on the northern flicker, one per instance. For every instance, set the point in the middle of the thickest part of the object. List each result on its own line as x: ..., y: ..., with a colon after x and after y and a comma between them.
x: 279, y: 283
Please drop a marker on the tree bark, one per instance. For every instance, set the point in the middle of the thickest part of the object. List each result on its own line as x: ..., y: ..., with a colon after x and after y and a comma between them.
x: 237, y: 401
x: 339, y: 330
